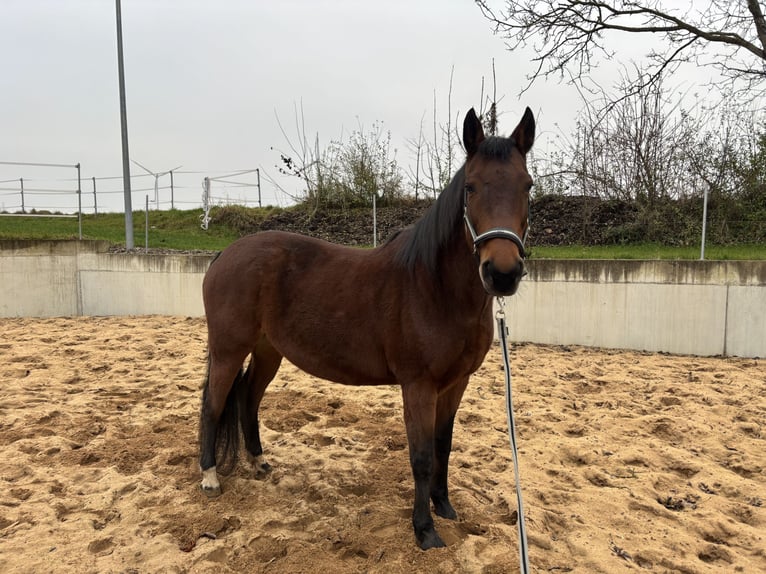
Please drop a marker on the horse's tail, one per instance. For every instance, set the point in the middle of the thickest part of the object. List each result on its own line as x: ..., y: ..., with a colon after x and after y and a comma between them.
x: 227, y: 429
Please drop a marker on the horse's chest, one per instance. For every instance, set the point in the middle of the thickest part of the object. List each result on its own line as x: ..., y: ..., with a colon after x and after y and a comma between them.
x: 476, y: 350
x: 459, y: 356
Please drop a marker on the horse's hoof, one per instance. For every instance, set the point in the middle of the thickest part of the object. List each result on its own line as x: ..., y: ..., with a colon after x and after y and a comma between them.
x: 430, y: 539
x: 260, y: 467
x: 211, y: 491
x: 262, y: 470
x: 445, y: 510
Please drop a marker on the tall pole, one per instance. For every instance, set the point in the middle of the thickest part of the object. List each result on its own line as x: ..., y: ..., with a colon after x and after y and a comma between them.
x: 21, y: 181
x: 124, y: 126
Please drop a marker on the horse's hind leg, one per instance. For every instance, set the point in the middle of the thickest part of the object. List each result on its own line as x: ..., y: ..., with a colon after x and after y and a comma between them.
x: 263, y: 367
x: 446, y: 408
x: 222, y: 373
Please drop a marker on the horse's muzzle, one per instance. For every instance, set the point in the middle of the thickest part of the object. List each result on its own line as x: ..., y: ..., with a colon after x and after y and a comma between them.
x: 501, y: 282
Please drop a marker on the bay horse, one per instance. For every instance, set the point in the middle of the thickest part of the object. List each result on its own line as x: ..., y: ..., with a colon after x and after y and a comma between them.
x: 416, y: 311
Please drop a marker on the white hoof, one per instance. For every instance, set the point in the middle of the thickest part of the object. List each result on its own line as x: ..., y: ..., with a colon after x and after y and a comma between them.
x: 210, y: 485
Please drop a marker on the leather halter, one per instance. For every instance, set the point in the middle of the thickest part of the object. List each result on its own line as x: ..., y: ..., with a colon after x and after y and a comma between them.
x: 495, y: 232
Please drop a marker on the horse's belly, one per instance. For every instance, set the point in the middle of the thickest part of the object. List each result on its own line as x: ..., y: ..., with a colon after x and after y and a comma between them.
x: 331, y: 357
x: 339, y: 371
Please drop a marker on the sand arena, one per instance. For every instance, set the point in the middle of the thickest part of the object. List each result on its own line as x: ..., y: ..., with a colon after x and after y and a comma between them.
x: 629, y: 462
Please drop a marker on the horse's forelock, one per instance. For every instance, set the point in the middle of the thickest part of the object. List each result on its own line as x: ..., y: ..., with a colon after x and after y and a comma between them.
x: 495, y: 147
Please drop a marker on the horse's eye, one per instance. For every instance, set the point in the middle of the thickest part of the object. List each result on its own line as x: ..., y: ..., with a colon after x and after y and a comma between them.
x: 468, y: 188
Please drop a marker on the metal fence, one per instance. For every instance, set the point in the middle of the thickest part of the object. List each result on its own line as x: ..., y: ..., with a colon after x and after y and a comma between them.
x: 32, y: 187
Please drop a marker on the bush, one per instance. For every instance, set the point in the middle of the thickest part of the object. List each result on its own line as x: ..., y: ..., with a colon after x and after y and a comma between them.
x: 240, y: 218
x: 349, y: 173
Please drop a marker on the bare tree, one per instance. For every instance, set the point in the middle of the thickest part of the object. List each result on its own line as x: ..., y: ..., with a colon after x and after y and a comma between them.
x: 315, y: 168
x: 345, y: 172
x: 637, y: 150
x: 367, y: 167
x: 489, y: 119
x: 416, y: 146
x: 436, y: 156
x: 569, y: 36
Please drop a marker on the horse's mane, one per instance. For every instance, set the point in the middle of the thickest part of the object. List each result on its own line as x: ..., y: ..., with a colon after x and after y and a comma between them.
x: 435, y: 229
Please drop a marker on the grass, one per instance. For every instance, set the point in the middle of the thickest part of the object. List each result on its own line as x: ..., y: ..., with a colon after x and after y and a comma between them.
x: 180, y: 229
x: 650, y: 251
x: 173, y: 229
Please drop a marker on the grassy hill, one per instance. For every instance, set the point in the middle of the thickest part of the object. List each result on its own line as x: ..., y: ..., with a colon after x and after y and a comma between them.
x: 181, y: 230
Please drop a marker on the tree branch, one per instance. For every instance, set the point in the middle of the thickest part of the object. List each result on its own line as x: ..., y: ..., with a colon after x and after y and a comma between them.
x: 568, y: 34
x: 758, y: 20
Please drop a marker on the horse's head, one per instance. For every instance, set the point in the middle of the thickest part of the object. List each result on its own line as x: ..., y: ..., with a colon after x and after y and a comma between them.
x: 496, y: 200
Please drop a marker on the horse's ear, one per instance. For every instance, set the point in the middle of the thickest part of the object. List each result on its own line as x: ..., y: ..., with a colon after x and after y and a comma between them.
x: 524, y: 134
x: 473, y: 133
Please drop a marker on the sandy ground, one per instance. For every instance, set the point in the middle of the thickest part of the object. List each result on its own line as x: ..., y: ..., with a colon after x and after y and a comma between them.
x: 629, y: 462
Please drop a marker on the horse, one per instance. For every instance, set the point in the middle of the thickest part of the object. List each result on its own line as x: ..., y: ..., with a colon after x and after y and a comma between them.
x: 415, y: 312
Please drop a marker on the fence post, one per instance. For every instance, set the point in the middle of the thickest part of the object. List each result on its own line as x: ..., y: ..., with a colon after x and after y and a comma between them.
x: 79, y: 202
x: 374, y: 220
x: 205, y: 217
x: 146, y: 227
x: 95, y: 200
x: 258, y: 173
x: 704, y: 225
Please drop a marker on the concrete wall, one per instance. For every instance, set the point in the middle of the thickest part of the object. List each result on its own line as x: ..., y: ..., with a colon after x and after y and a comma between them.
x: 690, y: 307
x: 48, y: 279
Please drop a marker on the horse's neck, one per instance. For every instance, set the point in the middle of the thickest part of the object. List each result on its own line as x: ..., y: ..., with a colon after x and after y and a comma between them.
x: 460, y: 275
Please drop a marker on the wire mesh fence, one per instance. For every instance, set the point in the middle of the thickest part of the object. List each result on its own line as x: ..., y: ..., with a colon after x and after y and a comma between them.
x: 40, y: 188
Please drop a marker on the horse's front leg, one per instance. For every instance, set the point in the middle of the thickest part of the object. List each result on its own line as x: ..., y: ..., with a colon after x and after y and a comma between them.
x: 419, y: 417
x: 446, y: 408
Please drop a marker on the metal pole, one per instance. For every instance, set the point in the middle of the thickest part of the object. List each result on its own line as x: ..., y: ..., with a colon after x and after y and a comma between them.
x: 124, y: 130
x: 95, y: 199
x: 21, y: 179
x: 146, y: 227
x: 205, y: 217
x: 704, y: 225
x: 79, y: 202
x: 374, y: 221
x: 258, y: 173
x: 172, y: 203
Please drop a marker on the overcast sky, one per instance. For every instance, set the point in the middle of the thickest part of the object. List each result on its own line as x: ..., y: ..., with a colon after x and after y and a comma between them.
x: 206, y: 81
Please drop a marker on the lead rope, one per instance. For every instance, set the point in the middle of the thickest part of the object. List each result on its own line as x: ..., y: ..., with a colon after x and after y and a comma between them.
x: 503, y: 332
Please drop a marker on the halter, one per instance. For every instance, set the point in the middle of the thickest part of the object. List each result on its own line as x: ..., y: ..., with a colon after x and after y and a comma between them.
x: 495, y: 232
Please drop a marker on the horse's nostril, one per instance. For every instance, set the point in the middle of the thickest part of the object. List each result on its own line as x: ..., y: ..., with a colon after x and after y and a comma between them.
x: 503, y: 281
